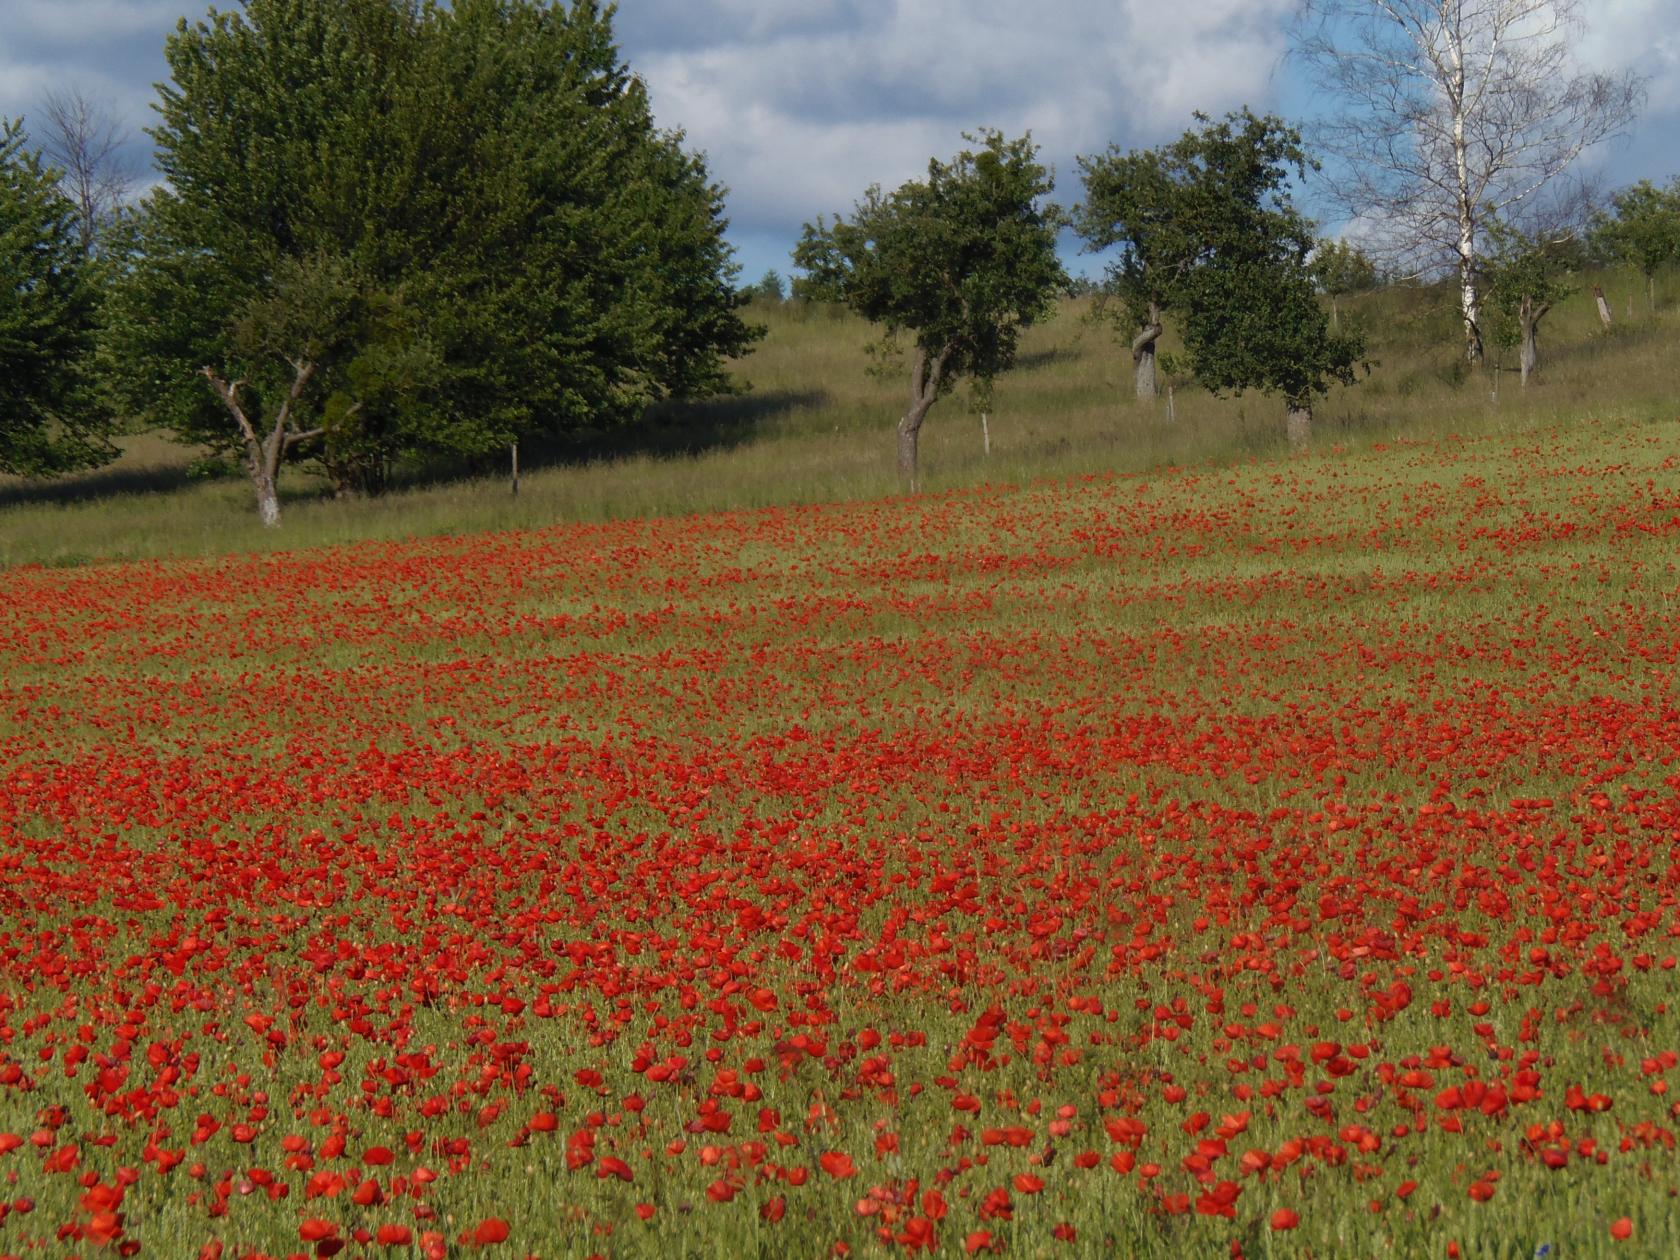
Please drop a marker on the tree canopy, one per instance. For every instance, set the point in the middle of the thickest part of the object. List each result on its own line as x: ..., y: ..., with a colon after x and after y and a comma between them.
x: 415, y: 229
x: 1253, y: 319
x: 1206, y: 228
x: 959, y: 263
x: 1643, y: 229
x: 1138, y: 203
x: 48, y: 415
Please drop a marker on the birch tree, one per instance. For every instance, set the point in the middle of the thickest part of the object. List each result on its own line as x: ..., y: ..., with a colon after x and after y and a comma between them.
x: 1442, y: 113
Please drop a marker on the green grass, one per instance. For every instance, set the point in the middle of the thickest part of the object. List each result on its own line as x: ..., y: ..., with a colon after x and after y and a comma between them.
x: 815, y: 426
x: 1354, y: 608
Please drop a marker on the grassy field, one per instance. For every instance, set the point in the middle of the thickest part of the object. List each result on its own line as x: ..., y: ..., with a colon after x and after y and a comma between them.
x: 815, y: 426
x: 1269, y: 861
x: 1245, y: 855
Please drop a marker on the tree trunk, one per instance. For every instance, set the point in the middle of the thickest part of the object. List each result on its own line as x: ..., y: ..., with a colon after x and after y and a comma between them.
x: 263, y: 455
x: 1470, y: 306
x: 1335, y: 315
x: 1143, y: 355
x: 985, y: 434
x: 268, y: 499
x: 1651, y: 292
x: 1528, y: 317
x: 925, y: 378
x: 1299, y: 425
x: 1469, y: 301
x: 909, y: 428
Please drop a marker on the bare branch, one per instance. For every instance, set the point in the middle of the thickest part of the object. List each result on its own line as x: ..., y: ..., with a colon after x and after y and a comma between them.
x: 83, y: 139
x: 228, y: 392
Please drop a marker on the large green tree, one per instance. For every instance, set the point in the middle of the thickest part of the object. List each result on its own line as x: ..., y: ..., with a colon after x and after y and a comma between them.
x: 391, y: 227
x: 959, y: 263
x: 48, y: 416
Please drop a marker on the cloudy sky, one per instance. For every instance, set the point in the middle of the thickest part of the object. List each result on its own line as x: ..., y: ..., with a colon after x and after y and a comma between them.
x: 801, y: 104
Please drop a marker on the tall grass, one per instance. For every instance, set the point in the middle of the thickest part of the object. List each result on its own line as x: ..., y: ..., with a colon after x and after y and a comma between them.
x: 814, y: 423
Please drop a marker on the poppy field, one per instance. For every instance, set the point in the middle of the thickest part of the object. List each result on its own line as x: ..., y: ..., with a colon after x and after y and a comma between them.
x: 1269, y: 861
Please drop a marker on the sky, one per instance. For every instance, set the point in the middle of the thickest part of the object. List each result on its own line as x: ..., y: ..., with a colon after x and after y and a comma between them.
x: 800, y: 105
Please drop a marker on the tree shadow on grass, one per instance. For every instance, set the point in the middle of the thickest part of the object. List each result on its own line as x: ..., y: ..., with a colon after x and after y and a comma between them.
x: 685, y: 427
x: 1045, y: 358
x: 99, y: 483
x: 671, y: 430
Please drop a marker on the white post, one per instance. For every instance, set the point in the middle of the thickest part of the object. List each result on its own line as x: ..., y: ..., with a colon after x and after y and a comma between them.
x: 985, y: 434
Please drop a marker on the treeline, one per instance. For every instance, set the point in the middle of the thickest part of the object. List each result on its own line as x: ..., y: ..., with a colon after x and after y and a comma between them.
x: 386, y: 229
x: 1203, y: 235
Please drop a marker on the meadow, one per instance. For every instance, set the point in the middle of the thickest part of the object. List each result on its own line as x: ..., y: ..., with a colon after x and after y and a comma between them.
x: 814, y: 424
x: 1147, y: 842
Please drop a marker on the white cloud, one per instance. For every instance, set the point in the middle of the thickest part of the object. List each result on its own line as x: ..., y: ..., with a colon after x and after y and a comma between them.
x: 1642, y: 34
x: 76, y: 22
x: 800, y: 118
x: 801, y: 104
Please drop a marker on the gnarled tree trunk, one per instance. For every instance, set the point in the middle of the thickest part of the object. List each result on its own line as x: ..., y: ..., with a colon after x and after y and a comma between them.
x: 925, y: 378
x: 263, y: 455
x: 1143, y: 354
x: 1529, y: 315
x: 1299, y: 425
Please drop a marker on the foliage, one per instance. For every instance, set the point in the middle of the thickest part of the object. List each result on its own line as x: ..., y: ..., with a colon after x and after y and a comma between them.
x: 770, y: 287
x: 1526, y: 271
x: 1644, y: 230
x: 500, y: 240
x: 48, y: 414
x: 1251, y: 317
x: 1139, y: 203
x: 1339, y: 268
x: 960, y: 262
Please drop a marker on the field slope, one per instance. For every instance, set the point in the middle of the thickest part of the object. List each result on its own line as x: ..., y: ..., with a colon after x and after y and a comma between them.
x: 1276, y: 860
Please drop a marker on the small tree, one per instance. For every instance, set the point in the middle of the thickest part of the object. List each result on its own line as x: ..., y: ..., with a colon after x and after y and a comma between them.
x: 1252, y: 319
x: 1644, y: 232
x: 770, y: 288
x: 46, y: 320
x: 1138, y: 203
x: 959, y: 262
x: 1339, y: 269
x: 1526, y: 275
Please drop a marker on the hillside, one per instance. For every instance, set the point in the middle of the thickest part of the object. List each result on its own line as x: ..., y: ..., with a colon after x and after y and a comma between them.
x: 813, y: 425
